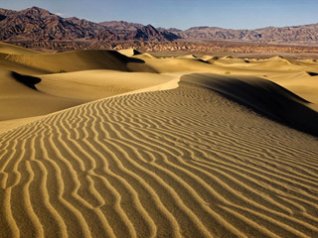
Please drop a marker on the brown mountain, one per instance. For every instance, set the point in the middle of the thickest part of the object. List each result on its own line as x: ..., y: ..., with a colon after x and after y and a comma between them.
x: 134, y: 31
x: 35, y: 24
x: 38, y: 28
x: 306, y: 34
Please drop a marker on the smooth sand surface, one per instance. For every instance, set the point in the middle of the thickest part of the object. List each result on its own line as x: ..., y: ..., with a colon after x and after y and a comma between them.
x: 195, y: 148
x: 94, y: 84
x: 16, y: 50
x: 80, y: 60
x: 19, y: 101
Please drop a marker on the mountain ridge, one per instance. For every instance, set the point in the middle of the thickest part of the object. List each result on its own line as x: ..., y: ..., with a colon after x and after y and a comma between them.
x: 38, y: 28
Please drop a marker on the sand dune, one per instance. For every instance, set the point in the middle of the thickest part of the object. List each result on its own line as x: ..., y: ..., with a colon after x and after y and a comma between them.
x: 80, y: 60
x: 129, y: 52
x: 183, y: 162
x: 95, y: 84
x: 291, y: 74
x: 14, y: 66
x: 15, y: 50
x: 21, y: 97
x: 299, y: 82
x: 19, y: 101
x: 263, y: 96
x: 139, y: 146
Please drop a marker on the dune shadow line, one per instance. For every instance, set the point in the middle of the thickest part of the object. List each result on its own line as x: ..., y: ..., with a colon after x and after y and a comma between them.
x: 262, y: 96
x: 27, y: 80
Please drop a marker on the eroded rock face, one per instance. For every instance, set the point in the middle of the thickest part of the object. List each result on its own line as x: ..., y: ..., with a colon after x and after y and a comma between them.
x: 38, y: 28
x: 133, y: 31
x: 36, y: 24
x: 307, y: 34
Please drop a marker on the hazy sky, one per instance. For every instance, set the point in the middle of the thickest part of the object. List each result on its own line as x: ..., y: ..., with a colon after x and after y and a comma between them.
x: 183, y: 13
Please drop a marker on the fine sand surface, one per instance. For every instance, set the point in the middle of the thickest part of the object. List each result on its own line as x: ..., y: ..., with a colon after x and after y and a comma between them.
x: 173, y: 147
x: 19, y: 101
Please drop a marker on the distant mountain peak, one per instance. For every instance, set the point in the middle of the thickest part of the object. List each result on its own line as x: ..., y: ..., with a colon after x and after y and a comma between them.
x: 37, y: 26
x: 36, y: 10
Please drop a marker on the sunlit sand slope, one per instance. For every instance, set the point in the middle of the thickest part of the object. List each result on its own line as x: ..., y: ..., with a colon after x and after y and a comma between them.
x: 21, y: 99
x: 95, y: 84
x: 24, y: 96
x: 185, y: 162
x: 298, y: 76
x: 79, y: 60
x: 15, y: 50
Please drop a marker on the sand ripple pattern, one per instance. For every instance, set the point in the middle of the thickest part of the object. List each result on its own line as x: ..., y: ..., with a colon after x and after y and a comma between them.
x: 177, y: 163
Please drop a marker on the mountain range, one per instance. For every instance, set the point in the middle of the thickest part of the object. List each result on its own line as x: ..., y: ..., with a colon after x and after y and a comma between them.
x: 38, y: 28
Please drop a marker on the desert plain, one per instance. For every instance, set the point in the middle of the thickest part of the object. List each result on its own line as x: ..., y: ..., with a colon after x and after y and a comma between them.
x: 103, y: 143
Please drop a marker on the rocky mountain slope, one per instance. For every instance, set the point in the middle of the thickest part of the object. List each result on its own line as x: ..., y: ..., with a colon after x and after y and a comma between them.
x: 38, y: 28
x: 306, y: 34
x: 132, y: 31
x: 36, y: 24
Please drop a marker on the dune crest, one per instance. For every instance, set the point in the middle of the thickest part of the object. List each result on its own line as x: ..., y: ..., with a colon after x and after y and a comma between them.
x: 264, y: 97
x: 80, y: 60
x: 14, y: 50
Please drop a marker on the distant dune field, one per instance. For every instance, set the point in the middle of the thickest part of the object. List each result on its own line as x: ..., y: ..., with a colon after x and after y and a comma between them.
x: 124, y: 145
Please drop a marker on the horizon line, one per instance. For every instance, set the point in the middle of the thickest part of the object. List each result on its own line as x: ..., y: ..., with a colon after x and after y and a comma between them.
x: 61, y: 15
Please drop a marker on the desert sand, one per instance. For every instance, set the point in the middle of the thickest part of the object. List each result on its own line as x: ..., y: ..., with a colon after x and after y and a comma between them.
x: 104, y: 144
